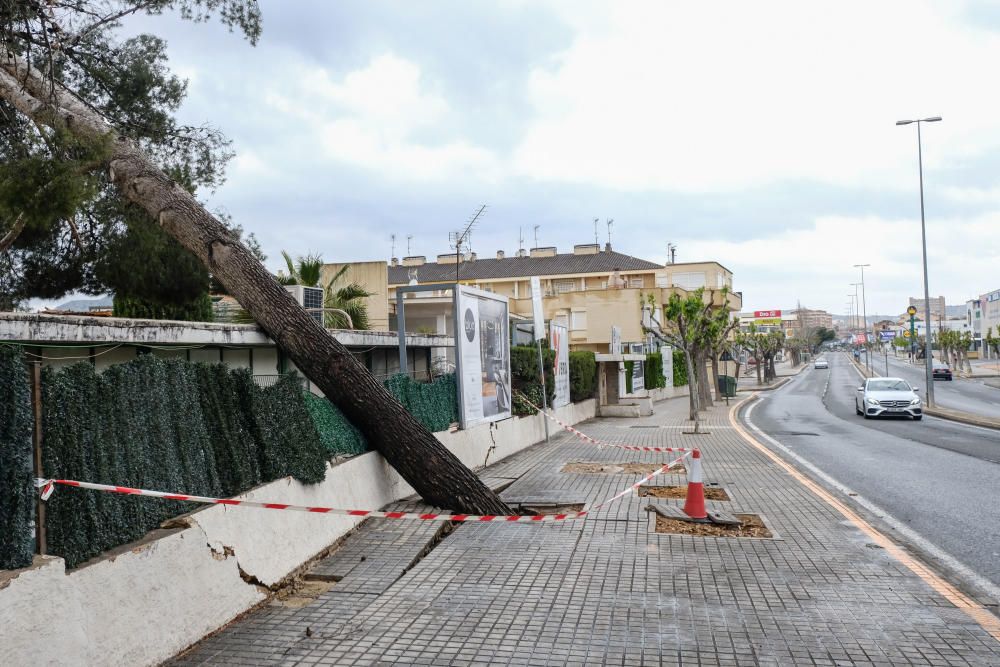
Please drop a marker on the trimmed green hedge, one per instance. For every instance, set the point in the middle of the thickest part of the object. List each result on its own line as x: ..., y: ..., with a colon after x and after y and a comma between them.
x: 680, y: 369
x: 653, y: 371
x: 17, y: 497
x: 524, y: 376
x: 582, y: 375
x: 164, y: 425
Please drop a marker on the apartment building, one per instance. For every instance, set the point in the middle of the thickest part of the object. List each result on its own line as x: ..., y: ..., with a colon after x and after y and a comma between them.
x: 807, y: 318
x: 589, y: 290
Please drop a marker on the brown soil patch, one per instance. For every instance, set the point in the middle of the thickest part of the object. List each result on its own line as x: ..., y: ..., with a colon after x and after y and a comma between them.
x: 620, y: 468
x: 751, y: 526
x: 301, y: 593
x: 711, y: 492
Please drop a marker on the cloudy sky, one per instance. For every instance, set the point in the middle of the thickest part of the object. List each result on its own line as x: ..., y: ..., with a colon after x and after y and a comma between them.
x: 760, y: 135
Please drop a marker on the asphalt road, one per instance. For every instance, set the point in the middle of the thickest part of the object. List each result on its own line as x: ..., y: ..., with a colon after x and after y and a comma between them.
x: 959, y: 394
x: 939, y: 479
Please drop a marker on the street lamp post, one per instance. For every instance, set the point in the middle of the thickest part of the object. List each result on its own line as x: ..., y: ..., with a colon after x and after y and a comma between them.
x: 928, y: 363
x: 864, y: 311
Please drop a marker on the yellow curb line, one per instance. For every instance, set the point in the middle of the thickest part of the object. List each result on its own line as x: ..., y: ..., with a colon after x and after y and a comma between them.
x: 974, y: 610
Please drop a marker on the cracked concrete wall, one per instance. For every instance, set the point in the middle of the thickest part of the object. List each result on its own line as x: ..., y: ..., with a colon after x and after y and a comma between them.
x: 138, y: 607
x: 148, y: 601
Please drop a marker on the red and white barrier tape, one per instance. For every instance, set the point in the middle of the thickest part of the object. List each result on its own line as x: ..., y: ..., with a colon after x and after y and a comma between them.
x: 47, y: 486
x: 594, y: 441
x: 642, y: 481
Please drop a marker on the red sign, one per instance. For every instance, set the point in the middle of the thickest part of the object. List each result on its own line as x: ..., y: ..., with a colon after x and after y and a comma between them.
x: 759, y: 314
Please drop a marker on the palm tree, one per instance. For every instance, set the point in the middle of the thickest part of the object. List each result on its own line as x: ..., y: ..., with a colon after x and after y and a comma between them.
x: 350, y: 298
x: 302, y: 271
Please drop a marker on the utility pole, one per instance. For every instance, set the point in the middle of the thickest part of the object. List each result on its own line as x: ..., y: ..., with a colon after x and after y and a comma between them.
x: 864, y: 310
x: 928, y: 363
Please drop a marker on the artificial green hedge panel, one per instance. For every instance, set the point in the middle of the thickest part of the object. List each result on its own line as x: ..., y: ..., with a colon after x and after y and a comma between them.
x: 165, y: 425
x: 524, y: 376
x: 653, y: 371
x: 17, y: 498
x: 337, y: 435
x: 434, y: 404
x: 582, y: 375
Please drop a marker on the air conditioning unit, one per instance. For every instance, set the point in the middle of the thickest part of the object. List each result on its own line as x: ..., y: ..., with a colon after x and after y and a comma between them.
x: 309, y: 298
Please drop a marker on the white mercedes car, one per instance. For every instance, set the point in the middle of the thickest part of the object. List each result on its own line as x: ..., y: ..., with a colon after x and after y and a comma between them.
x: 821, y: 363
x: 880, y: 397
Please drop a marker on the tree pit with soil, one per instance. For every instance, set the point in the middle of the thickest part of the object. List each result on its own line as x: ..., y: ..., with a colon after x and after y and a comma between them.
x: 680, y: 492
x: 751, y: 525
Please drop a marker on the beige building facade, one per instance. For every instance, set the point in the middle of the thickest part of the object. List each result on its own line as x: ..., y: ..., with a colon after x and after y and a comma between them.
x: 370, y: 275
x: 589, y: 290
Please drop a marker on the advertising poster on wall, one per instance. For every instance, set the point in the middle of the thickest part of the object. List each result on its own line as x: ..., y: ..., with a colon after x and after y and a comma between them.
x: 559, y: 341
x: 484, y: 350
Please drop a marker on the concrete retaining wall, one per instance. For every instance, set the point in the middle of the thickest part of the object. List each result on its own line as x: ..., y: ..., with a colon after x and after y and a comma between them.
x: 149, y: 600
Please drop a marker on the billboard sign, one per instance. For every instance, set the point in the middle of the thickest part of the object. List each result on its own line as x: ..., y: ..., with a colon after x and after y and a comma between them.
x: 860, y: 339
x: 667, y: 353
x: 536, y: 307
x: 483, y: 344
x: 886, y: 335
x: 559, y: 342
x: 766, y: 314
x: 616, y: 340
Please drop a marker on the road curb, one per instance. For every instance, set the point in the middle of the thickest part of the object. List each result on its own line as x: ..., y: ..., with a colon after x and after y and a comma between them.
x: 946, y: 413
x: 962, y: 417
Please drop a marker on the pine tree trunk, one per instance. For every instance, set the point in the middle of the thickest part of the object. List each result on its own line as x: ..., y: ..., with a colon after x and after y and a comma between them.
x: 434, y: 472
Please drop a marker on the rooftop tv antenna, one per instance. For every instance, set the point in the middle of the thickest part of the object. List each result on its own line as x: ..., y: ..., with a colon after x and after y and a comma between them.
x: 409, y: 237
x: 672, y: 252
x: 597, y: 240
x: 393, y: 253
x: 520, y: 240
x: 460, y: 239
x: 537, y: 227
x: 611, y: 221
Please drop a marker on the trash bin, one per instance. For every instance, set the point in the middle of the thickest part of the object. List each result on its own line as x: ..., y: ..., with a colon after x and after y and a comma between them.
x: 727, y: 386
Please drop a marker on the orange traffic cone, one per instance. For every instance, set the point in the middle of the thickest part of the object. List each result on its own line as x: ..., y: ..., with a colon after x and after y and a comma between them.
x: 694, y: 502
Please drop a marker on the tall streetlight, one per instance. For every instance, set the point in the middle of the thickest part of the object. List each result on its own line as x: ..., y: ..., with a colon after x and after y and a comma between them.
x: 928, y: 363
x: 864, y: 312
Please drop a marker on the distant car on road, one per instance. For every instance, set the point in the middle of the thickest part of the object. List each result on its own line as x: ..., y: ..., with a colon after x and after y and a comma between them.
x: 879, y: 397
x: 941, y: 371
x: 821, y: 363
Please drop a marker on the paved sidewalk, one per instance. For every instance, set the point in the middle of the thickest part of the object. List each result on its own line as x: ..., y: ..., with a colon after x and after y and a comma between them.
x: 607, y: 591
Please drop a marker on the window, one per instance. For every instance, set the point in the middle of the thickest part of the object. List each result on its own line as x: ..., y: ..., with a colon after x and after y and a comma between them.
x: 635, y: 282
x: 578, y: 320
x: 690, y: 281
x: 721, y: 280
x: 563, y: 286
x: 662, y: 281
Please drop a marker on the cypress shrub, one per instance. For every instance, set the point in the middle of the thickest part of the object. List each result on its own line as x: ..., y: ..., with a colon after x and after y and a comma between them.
x: 680, y: 369
x: 653, y: 371
x: 17, y: 497
x: 524, y: 376
x: 582, y: 375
